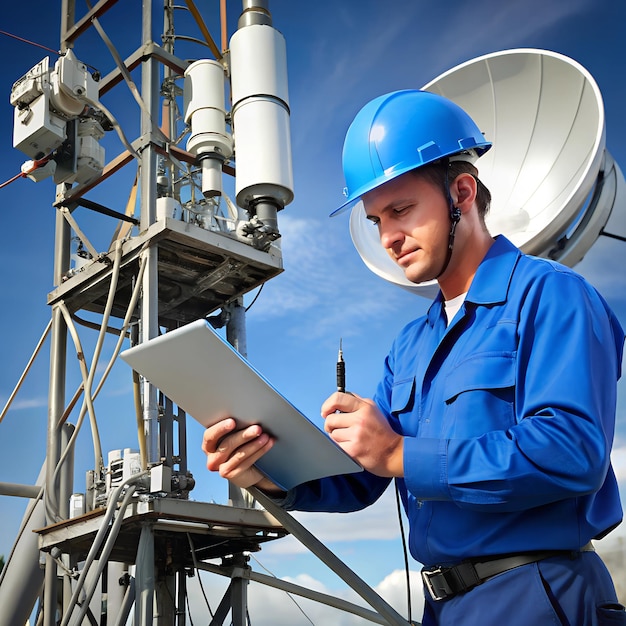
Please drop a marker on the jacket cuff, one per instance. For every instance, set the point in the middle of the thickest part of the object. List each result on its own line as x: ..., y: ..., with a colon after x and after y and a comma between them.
x: 426, y: 468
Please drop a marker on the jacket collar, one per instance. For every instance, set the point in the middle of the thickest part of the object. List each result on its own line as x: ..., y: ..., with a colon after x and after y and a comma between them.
x: 493, y: 277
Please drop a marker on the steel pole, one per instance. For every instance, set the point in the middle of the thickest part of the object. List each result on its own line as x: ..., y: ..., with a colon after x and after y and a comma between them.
x: 149, y: 302
x: 236, y: 336
x: 56, y: 407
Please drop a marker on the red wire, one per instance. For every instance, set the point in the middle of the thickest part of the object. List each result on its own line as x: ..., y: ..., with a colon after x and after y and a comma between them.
x: 36, y: 165
x: 2, y: 32
x: 4, y: 184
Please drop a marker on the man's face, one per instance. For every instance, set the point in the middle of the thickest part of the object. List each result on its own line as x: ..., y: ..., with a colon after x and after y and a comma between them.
x: 413, y: 222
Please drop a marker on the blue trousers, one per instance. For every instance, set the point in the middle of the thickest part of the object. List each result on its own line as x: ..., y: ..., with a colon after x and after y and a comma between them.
x: 559, y: 591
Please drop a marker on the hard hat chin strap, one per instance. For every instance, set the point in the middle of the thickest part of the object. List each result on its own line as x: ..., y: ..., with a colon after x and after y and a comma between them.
x: 455, y: 217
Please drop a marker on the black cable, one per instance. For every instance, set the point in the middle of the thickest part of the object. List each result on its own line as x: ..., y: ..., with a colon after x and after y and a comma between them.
x: 206, y: 600
x: 188, y: 607
x: 208, y: 605
x: 289, y: 595
x: 89, y: 615
x: 455, y: 216
x: 405, y: 553
x: 258, y: 293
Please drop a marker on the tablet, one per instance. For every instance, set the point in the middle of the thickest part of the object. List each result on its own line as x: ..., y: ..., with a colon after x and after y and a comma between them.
x: 207, y: 378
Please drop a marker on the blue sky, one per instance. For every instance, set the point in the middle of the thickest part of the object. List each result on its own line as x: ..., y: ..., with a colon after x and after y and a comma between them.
x: 340, y: 55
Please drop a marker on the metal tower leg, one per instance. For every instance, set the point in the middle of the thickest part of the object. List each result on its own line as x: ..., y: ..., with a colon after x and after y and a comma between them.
x: 239, y: 593
x: 144, y: 579
x: 235, y: 599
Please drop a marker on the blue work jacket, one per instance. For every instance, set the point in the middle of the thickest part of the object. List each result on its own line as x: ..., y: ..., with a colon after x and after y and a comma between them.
x: 508, y: 416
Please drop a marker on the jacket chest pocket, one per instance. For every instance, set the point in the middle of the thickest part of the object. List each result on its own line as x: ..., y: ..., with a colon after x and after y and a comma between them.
x: 402, y: 402
x: 480, y: 395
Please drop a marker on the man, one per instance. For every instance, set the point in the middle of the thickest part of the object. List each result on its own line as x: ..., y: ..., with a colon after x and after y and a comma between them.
x: 496, y: 410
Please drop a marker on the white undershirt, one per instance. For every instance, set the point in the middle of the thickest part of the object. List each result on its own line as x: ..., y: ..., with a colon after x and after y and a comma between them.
x: 452, y: 306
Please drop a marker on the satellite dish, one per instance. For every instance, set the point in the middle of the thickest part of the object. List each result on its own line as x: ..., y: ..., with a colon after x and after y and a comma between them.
x: 553, y: 183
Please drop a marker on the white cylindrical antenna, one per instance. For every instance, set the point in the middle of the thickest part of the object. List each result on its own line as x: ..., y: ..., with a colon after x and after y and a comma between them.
x: 204, y: 107
x: 261, y: 117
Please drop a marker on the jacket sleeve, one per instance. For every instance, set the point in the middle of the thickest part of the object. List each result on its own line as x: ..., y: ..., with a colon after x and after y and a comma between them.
x: 336, y: 494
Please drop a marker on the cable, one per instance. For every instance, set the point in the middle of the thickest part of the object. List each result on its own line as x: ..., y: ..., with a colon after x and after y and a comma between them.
x: 115, y: 272
x: 88, y: 399
x: 118, y: 129
x: 405, y: 554
x: 329, y: 558
x: 32, y: 43
x: 100, y: 536
x: 126, y: 75
x: 88, y: 613
x: 103, y: 558
x: 189, y: 607
x: 105, y: 318
x: 26, y: 370
x: 37, y: 163
x: 290, y: 596
x: 258, y: 293
x: 116, y: 351
x: 192, y: 549
x: 206, y: 599
x: 12, y: 180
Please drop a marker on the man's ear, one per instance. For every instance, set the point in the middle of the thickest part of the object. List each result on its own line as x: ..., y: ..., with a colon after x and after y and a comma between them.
x: 463, y: 191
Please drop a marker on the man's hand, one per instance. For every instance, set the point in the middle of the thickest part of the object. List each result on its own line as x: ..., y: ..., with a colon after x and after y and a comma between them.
x: 361, y: 430
x: 233, y: 453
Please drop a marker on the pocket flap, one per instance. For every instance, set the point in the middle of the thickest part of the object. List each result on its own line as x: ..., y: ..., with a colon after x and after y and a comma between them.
x: 482, y: 371
x: 402, y: 395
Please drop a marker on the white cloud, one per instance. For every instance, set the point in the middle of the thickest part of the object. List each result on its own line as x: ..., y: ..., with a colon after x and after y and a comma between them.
x: 618, y: 459
x: 393, y: 589
x: 27, y: 403
x: 324, y: 279
x: 544, y: 17
x: 377, y: 523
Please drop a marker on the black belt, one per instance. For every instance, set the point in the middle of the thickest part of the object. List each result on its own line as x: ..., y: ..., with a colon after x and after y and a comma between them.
x: 445, y: 582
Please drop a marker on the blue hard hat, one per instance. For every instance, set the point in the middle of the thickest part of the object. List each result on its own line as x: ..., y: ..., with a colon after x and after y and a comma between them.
x: 400, y: 131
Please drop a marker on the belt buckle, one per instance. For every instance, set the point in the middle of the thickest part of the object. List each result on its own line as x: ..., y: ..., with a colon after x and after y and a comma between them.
x: 436, y: 593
